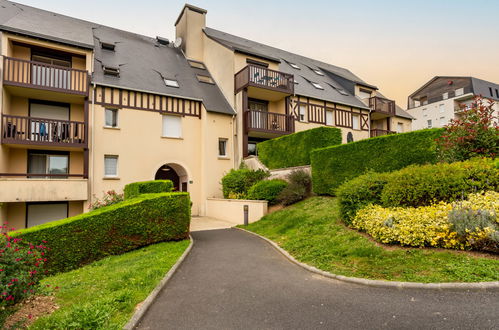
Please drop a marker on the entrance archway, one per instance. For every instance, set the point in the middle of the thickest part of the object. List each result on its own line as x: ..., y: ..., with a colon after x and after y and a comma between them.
x: 174, y: 172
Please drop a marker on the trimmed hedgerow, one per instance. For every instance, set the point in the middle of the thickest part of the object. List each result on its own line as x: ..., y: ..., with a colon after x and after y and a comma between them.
x: 332, y: 166
x: 417, y: 185
x: 236, y: 183
x: 111, y: 230
x: 135, y: 189
x: 267, y: 190
x: 294, y: 149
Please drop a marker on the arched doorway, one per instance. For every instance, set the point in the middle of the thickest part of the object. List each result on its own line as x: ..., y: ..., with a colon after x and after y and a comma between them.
x: 174, y: 172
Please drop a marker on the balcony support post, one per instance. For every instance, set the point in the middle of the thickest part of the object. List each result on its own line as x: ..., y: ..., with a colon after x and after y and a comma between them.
x: 245, y: 122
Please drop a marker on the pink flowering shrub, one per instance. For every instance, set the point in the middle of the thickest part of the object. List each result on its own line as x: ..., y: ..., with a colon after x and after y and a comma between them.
x: 474, y: 134
x: 111, y: 197
x: 21, y: 268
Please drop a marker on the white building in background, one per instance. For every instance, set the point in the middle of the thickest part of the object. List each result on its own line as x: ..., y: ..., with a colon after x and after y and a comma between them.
x: 440, y: 99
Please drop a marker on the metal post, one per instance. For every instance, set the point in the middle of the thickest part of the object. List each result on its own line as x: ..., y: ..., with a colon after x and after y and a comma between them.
x: 246, y: 214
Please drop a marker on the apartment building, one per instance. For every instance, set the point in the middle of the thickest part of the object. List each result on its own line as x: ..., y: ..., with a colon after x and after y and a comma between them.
x: 86, y: 108
x: 444, y: 97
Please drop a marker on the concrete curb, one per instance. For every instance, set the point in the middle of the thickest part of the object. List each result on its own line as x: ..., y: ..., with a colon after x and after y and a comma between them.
x: 139, y: 313
x: 490, y: 286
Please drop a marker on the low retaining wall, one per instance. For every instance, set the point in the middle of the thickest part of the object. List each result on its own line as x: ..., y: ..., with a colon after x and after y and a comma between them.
x: 232, y: 210
x: 282, y: 173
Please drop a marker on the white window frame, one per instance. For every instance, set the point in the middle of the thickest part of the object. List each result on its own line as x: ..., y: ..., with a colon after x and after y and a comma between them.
x: 117, y: 117
x: 445, y: 96
x: 441, y: 108
x: 226, y: 142
x: 317, y: 85
x: 330, y: 115
x: 429, y: 123
x: 357, y: 121
x: 425, y: 112
x: 165, y: 134
x: 302, y: 113
x: 400, y: 127
x: 117, y: 166
x: 171, y: 83
x: 442, y: 121
x: 459, y: 91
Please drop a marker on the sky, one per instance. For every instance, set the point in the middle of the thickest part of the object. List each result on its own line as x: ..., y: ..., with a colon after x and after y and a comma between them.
x: 395, y: 45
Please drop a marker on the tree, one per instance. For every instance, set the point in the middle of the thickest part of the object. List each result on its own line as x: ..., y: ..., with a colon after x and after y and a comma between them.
x: 474, y: 134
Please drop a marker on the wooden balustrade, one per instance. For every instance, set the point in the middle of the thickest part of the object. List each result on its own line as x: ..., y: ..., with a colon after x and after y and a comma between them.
x: 379, y: 104
x: 269, y: 122
x: 19, y: 72
x: 379, y: 132
x: 257, y: 76
x: 42, y: 131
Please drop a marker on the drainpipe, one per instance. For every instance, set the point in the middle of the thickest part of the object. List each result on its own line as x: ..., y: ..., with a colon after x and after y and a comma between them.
x: 91, y: 150
x: 234, y: 139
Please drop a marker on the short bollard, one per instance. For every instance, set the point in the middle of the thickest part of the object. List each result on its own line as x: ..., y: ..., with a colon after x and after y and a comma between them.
x: 246, y: 212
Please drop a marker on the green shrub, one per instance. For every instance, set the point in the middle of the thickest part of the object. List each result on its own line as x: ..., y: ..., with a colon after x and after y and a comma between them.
x: 357, y: 193
x: 267, y: 190
x: 333, y: 166
x: 238, y: 182
x: 298, y: 189
x: 135, y: 189
x: 111, y: 230
x: 422, y: 185
x: 294, y: 149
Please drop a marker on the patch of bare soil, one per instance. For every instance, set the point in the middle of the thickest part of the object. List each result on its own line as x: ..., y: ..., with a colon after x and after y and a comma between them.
x: 275, y: 208
x: 30, y: 310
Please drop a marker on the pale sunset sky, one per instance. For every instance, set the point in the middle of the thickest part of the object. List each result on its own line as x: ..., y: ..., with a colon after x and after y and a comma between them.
x: 395, y: 45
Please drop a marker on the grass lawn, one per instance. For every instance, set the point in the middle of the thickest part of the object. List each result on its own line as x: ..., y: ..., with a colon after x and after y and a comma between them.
x: 103, y: 295
x: 314, y: 234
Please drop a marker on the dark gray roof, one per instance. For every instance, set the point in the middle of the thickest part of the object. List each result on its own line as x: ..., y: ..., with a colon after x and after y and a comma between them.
x: 482, y: 87
x: 334, y: 79
x: 142, y: 61
x: 399, y: 112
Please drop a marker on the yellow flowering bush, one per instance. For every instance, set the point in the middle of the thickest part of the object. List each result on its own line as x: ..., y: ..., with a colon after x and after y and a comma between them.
x: 430, y: 225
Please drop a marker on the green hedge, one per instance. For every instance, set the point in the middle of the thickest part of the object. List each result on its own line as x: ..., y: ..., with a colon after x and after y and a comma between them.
x: 111, y: 230
x: 236, y: 183
x: 135, y: 189
x: 294, y: 149
x: 417, y: 185
x: 332, y: 166
x: 267, y: 190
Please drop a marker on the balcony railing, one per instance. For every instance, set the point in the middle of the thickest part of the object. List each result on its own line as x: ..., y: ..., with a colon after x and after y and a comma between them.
x: 380, y: 132
x: 257, y: 76
x: 42, y: 131
x: 382, y: 105
x: 19, y: 72
x: 269, y: 122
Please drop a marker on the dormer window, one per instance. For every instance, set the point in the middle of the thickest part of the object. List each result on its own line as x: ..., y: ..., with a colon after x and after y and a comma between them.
x: 316, y: 85
x: 205, y: 79
x: 111, y: 71
x: 171, y: 83
x: 197, y: 65
x: 107, y: 46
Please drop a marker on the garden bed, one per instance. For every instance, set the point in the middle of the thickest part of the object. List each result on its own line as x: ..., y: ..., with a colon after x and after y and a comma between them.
x: 313, y: 233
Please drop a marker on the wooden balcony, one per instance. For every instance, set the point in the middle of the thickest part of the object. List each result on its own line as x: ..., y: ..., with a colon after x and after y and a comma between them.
x: 269, y: 122
x: 37, y: 75
x: 261, y: 77
x: 42, y: 131
x: 382, y: 106
x: 379, y: 132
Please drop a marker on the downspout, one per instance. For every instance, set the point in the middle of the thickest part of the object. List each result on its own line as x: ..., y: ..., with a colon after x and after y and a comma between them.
x: 92, y: 114
x: 234, y: 139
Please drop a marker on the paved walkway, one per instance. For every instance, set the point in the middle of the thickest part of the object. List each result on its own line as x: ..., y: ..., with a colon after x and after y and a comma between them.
x: 207, y: 223
x: 234, y: 280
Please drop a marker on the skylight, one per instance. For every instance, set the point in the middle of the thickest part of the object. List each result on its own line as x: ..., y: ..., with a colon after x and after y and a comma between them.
x: 318, y: 72
x: 316, y: 85
x: 171, y: 82
x: 293, y: 65
x: 197, y: 65
x: 205, y: 79
x: 340, y: 90
x: 296, y: 82
x: 107, y: 45
x: 111, y: 71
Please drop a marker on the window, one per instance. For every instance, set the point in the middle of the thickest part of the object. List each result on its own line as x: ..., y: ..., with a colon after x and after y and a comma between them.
x: 110, y: 166
x: 442, y: 121
x: 316, y: 85
x: 50, y: 76
x: 355, y: 121
x: 445, y: 96
x: 317, y: 71
x: 459, y: 91
x: 296, y: 82
x: 111, y: 71
x: 441, y: 108
x: 303, y: 113
x: 364, y: 94
x: 222, y: 147
x: 171, y: 82
x: 497, y: 93
x: 490, y: 91
x: 425, y: 113
x: 400, y: 128
x: 258, y: 105
x: 111, y: 117
x: 293, y: 65
x: 39, y: 213
x: 429, y: 125
x: 107, y: 46
x: 197, y: 65
x: 48, y: 162
x: 329, y: 118
x: 205, y: 79
x: 172, y: 126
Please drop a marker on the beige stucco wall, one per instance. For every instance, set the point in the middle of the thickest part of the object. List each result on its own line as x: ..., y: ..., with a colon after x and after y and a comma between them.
x: 190, y: 29
x: 42, y: 190
x: 232, y: 210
